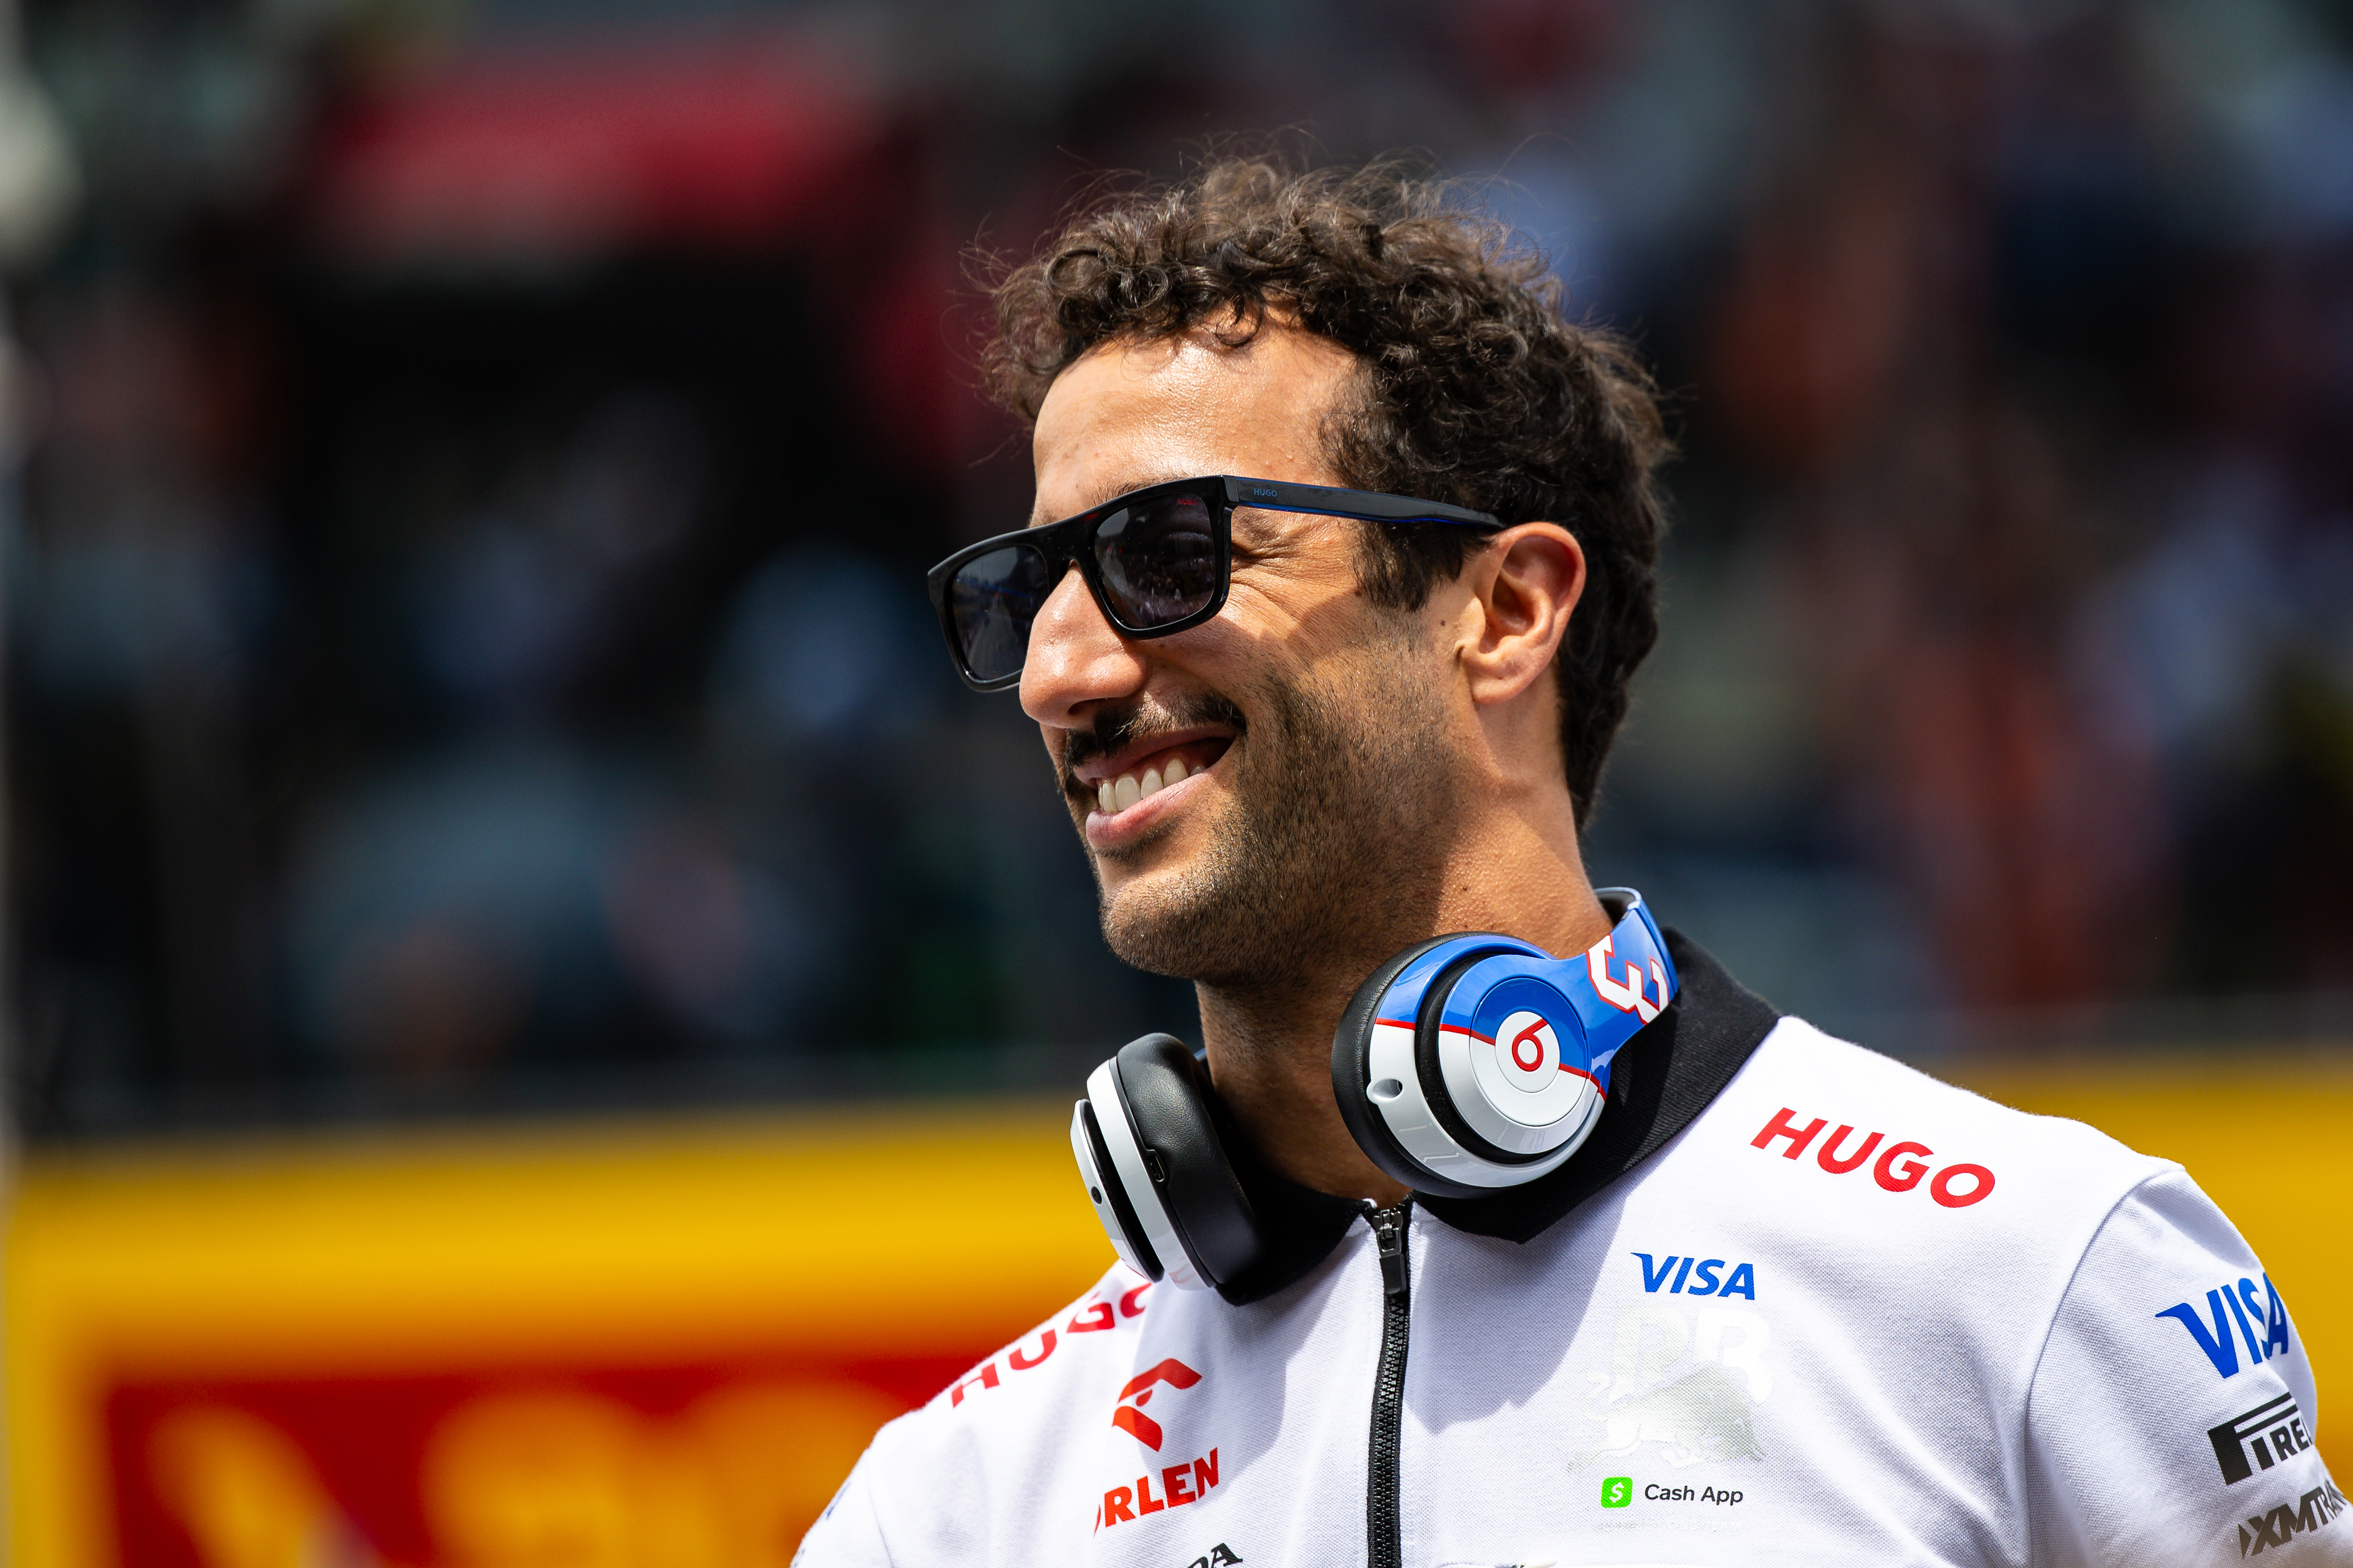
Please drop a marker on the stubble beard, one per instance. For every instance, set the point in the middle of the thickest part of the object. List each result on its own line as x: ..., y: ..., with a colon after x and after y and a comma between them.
x: 1332, y: 843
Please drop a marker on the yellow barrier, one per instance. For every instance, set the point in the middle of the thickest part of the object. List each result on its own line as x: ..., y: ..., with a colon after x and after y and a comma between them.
x: 2269, y: 1136
x: 659, y: 1345
x: 570, y: 1338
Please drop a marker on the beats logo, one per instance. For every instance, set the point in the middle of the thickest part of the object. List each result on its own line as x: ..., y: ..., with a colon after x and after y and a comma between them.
x: 1530, y: 1051
x: 1526, y: 1075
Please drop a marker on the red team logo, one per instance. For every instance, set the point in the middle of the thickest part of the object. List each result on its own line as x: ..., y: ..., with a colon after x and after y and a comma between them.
x: 1130, y: 1416
x: 1175, y: 1485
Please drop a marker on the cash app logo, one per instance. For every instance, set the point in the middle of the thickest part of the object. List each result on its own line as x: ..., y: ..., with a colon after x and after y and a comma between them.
x: 1617, y: 1491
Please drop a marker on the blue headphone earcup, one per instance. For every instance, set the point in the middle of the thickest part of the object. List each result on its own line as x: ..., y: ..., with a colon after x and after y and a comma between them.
x: 1351, y: 1077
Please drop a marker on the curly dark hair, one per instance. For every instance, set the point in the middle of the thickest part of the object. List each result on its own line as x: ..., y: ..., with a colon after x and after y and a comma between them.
x: 1476, y: 388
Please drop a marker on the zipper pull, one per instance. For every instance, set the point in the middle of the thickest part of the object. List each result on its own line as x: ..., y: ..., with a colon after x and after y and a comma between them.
x: 1388, y: 1236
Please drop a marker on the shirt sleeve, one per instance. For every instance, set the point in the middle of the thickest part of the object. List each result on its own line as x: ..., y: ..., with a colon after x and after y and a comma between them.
x: 848, y: 1535
x: 2172, y: 1412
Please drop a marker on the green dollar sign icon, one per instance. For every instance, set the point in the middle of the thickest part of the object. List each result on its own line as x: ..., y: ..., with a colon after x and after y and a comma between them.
x: 1617, y: 1491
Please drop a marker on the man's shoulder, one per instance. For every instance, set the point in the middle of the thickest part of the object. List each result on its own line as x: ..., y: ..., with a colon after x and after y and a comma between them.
x: 1030, y: 1381
x: 1809, y: 1107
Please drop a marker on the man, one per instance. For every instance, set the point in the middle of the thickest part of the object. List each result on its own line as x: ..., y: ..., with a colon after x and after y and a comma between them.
x: 1790, y: 1301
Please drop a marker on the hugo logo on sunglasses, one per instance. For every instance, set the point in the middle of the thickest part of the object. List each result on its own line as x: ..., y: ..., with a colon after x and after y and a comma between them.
x: 1265, y: 493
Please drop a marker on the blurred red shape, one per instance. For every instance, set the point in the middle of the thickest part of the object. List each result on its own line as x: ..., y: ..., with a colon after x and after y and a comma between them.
x: 552, y: 154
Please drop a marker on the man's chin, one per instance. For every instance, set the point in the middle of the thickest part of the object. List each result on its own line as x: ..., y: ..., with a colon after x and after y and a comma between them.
x: 1164, y: 925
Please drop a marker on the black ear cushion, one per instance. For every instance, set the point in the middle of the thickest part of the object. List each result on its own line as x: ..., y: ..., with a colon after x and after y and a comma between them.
x: 1167, y: 1093
x: 1352, y: 1073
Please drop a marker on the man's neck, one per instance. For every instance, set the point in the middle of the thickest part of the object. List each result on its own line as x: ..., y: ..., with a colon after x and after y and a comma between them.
x: 1271, y: 1058
x: 1270, y: 1043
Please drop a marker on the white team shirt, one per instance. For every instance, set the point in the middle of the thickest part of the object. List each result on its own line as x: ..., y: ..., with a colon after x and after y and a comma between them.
x: 1847, y: 1314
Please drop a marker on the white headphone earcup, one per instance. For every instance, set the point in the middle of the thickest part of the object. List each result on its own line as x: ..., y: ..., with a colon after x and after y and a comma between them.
x: 1353, y: 1078
x: 1113, y: 1210
x: 1132, y: 1180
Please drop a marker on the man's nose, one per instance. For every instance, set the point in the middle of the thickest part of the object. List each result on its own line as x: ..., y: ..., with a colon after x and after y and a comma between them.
x: 1075, y: 658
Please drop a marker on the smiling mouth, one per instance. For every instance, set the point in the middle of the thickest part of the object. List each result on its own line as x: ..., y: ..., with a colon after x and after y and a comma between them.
x: 1148, y: 775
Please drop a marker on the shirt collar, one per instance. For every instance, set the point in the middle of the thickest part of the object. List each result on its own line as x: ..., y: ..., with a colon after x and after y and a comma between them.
x: 1660, y: 1082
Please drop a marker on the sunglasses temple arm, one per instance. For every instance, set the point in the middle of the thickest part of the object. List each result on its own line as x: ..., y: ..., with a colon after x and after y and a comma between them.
x: 1368, y: 506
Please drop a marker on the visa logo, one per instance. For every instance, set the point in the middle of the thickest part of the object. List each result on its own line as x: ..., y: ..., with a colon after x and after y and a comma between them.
x: 1704, y: 1277
x: 2262, y: 1327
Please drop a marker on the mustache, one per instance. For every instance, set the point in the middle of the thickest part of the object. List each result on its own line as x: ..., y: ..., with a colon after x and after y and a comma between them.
x: 1117, y: 729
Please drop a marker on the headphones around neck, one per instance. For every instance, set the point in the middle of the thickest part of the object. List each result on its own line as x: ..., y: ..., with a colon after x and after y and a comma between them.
x: 1466, y: 1064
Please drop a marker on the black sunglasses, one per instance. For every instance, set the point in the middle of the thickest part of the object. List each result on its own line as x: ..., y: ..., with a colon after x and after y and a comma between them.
x: 1157, y: 560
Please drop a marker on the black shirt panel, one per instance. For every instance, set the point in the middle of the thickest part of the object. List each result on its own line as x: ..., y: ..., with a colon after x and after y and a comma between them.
x: 1298, y: 1227
x: 1660, y: 1082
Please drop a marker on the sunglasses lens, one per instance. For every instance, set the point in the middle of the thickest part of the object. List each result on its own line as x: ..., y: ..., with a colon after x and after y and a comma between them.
x: 1158, y: 560
x: 992, y: 599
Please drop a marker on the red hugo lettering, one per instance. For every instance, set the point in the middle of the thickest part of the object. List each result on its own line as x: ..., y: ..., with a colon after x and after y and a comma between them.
x: 1898, y: 1168
x: 1091, y: 1318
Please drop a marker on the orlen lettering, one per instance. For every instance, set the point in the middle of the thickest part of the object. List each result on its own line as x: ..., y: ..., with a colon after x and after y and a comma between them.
x: 1179, y: 1484
x: 2271, y: 1432
x: 1716, y: 1495
x: 1702, y: 1275
x: 1898, y: 1168
x: 1092, y: 1317
x: 2240, y: 1305
x: 2314, y: 1510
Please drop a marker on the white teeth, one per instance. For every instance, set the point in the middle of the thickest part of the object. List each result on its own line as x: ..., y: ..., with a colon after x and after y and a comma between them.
x: 1113, y: 795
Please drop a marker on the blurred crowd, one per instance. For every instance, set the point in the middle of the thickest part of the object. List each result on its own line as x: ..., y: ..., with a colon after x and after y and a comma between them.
x: 472, y: 466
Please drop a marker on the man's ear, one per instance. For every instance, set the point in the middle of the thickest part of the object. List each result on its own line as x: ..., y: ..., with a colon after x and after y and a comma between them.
x: 1524, y: 584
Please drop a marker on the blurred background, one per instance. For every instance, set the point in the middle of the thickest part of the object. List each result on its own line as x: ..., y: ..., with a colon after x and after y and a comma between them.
x: 466, y: 471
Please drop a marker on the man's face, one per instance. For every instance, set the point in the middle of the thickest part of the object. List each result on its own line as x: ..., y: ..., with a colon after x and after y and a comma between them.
x: 1307, y: 733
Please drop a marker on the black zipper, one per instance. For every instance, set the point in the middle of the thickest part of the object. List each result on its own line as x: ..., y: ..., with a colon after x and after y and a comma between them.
x: 1382, y: 1549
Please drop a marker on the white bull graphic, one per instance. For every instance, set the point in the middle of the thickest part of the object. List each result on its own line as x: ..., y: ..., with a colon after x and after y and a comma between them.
x: 1701, y: 1418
